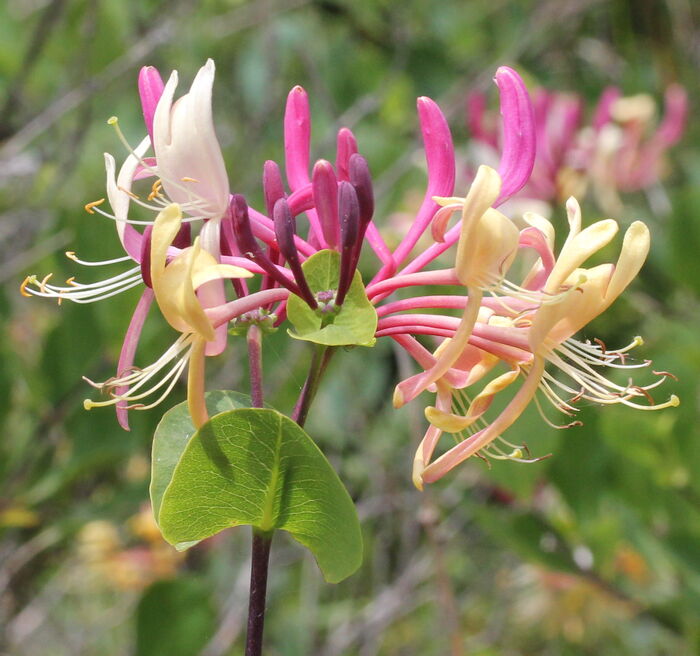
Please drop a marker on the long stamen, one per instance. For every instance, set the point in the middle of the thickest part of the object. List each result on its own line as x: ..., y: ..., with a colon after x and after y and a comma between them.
x: 81, y: 293
x: 137, y: 379
x: 549, y: 422
x: 177, y: 372
x: 72, y: 256
x: 107, y: 215
x: 559, y: 403
x: 608, y: 360
x: 598, y: 389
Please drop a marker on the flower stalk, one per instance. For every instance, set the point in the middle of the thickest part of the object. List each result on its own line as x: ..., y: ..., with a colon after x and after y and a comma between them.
x: 260, y: 560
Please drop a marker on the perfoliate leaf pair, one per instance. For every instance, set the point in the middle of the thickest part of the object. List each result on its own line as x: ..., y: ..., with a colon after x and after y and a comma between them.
x: 251, y: 466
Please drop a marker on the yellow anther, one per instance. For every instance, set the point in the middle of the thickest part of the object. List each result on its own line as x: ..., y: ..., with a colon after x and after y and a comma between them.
x: 155, y: 189
x: 112, y: 120
x: 516, y: 454
x: 88, y: 404
x: 128, y: 192
x: 186, y: 179
x: 71, y: 255
x: 89, y: 209
x: 59, y: 298
x: 29, y: 280
x: 71, y: 281
x: 42, y: 284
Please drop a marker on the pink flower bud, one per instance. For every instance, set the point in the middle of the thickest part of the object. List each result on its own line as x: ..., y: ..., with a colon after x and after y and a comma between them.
x: 519, y: 147
x: 150, y: 90
x: 346, y: 148
x: 325, y: 190
x: 297, y: 138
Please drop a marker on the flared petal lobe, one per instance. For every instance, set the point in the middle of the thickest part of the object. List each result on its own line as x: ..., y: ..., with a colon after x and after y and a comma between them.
x: 188, y: 154
x: 519, y: 142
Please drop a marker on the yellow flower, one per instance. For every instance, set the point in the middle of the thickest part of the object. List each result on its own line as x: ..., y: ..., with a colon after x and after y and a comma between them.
x: 175, y: 284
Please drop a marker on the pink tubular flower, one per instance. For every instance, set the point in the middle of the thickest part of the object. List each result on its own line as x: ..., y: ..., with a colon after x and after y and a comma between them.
x: 348, y: 207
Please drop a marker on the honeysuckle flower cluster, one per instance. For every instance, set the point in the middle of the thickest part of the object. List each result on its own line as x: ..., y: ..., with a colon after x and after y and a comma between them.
x: 622, y: 149
x: 475, y: 335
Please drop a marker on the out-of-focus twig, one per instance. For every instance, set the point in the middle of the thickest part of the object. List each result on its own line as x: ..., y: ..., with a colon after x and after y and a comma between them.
x: 160, y: 33
x: 40, y: 37
x: 394, y: 601
x: 12, y: 267
x: 232, y: 618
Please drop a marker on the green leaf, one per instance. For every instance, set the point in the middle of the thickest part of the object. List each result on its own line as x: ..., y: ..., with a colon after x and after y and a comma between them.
x: 255, y: 466
x: 174, y: 432
x: 174, y: 618
x: 353, y: 325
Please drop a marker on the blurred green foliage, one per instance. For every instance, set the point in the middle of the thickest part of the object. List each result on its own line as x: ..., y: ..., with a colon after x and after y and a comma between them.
x: 595, y: 550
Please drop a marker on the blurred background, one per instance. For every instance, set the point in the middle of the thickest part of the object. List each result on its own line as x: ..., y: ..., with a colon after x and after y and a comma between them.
x: 595, y: 550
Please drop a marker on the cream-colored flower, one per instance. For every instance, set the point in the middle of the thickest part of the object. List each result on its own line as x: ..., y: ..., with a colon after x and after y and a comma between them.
x: 487, y: 245
x: 558, y: 298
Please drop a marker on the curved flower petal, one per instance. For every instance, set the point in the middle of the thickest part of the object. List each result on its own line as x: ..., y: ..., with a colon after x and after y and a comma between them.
x: 453, y: 423
x: 481, y: 196
x: 519, y: 148
x: 635, y: 248
x: 189, y: 157
x: 118, y: 186
x: 578, y: 250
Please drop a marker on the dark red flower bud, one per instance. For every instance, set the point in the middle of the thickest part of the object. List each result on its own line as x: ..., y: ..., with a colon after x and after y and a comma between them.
x: 285, y: 229
x: 349, y: 210
x: 361, y: 179
x: 248, y: 245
